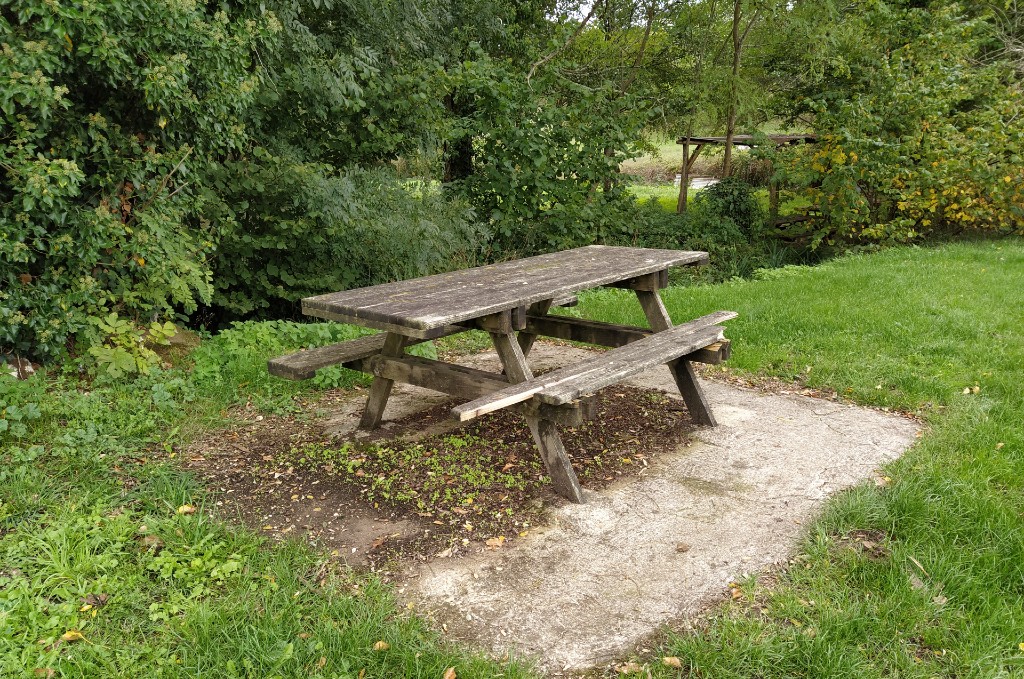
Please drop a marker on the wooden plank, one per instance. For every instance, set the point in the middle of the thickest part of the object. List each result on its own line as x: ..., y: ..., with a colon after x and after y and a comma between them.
x: 460, y: 381
x: 418, y: 333
x: 613, y: 335
x: 556, y: 460
x: 416, y: 306
x: 494, y: 402
x: 526, y: 338
x: 713, y: 354
x: 694, y: 397
x: 569, y: 383
x: 465, y: 382
x: 582, y: 330
x: 655, y: 311
x: 634, y: 359
x: 302, y: 365
x: 568, y: 415
x: 380, y: 390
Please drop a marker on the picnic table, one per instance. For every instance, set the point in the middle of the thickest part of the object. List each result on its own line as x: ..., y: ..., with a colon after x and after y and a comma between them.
x: 511, y: 301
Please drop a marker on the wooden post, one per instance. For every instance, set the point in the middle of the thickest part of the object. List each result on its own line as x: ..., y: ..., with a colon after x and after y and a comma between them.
x: 380, y: 390
x: 682, y: 370
x: 684, y: 180
x: 545, y: 432
x: 526, y: 339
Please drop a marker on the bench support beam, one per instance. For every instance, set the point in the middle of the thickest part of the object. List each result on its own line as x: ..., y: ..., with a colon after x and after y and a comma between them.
x: 545, y: 432
x: 682, y: 369
x: 464, y: 382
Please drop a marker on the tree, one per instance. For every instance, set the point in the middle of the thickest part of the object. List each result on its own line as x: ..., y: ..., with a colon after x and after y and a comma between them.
x: 110, y: 116
x: 916, y: 132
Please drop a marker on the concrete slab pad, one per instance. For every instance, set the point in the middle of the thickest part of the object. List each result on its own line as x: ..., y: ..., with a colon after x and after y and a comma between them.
x: 608, y: 573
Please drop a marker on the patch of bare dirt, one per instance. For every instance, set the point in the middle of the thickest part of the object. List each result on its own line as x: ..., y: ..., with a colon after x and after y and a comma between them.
x: 424, y: 486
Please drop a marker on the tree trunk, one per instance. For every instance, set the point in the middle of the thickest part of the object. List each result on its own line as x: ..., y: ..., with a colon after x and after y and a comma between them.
x: 737, y: 47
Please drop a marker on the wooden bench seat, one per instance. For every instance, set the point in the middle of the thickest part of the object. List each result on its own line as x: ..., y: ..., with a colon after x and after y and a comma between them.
x: 584, y: 379
x: 303, y: 364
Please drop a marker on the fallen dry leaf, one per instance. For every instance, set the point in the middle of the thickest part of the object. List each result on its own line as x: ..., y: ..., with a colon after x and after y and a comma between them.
x: 628, y: 668
x: 494, y: 543
x: 151, y: 542
x: 186, y: 509
x: 449, y: 673
x: 671, y: 661
x: 381, y: 646
x: 321, y: 662
x: 682, y: 547
x: 73, y: 635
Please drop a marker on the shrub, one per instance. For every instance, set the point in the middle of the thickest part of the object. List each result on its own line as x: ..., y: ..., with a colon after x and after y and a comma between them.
x: 727, y: 210
x: 111, y: 113
x: 546, y: 157
x: 303, y: 229
x: 924, y: 136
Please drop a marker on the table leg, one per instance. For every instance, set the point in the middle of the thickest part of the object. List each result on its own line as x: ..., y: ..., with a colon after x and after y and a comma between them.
x: 682, y: 370
x: 380, y: 390
x: 526, y: 339
x: 545, y: 432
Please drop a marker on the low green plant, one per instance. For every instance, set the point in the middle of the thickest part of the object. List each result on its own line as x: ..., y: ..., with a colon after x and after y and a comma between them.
x: 19, y: 405
x: 448, y: 471
x: 112, y: 563
x: 125, y: 349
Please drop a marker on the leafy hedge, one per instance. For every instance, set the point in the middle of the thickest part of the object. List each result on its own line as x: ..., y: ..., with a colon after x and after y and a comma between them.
x: 112, y: 113
x: 918, y: 134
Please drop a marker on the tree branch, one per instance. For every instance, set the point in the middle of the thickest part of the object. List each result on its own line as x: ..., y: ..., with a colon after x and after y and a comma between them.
x: 554, y: 53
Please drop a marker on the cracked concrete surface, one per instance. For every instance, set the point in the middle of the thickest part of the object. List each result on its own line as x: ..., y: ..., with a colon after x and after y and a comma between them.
x: 608, y: 573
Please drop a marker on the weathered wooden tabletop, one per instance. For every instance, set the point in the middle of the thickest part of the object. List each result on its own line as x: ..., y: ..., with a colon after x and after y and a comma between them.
x: 444, y: 299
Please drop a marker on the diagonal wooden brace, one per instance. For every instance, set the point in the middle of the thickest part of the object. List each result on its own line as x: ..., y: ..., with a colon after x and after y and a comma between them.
x: 380, y: 390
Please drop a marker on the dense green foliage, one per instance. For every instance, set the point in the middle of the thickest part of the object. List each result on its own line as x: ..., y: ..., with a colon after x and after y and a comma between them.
x: 261, y: 152
x: 110, y: 113
x: 918, y: 134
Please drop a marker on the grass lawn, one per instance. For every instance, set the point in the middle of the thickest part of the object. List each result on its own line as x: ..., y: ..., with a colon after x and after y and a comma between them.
x: 939, y: 590
x: 111, y: 564
x: 666, y: 194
